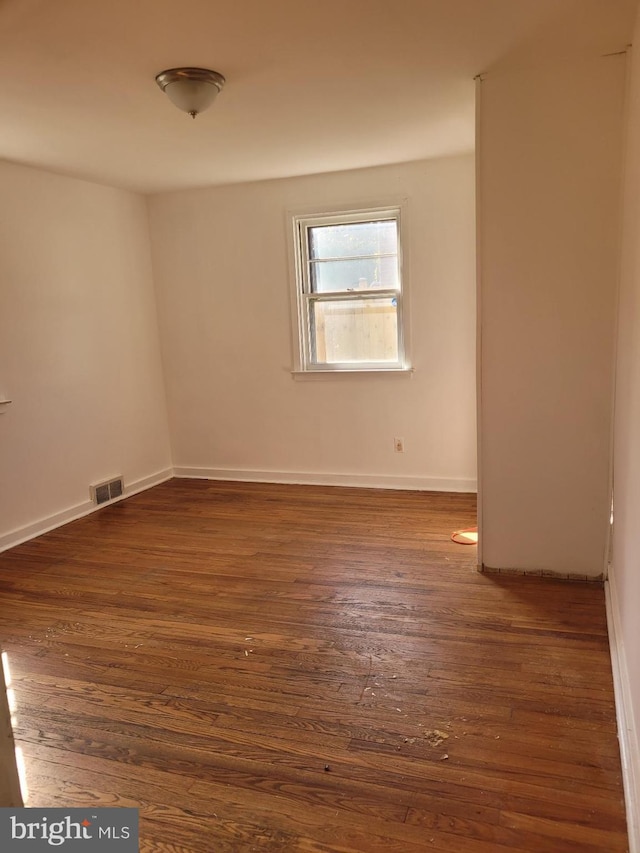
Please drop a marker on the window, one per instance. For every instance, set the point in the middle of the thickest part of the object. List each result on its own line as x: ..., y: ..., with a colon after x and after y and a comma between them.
x: 349, y: 294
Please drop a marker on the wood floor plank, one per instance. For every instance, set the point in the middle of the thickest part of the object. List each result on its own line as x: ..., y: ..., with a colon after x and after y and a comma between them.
x: 301, y: 668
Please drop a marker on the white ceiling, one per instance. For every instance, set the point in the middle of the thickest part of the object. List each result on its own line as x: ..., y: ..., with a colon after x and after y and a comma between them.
x: 312, y: 85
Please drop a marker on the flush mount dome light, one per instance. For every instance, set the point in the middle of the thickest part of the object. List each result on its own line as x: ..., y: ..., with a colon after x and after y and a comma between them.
x: 192, y: 90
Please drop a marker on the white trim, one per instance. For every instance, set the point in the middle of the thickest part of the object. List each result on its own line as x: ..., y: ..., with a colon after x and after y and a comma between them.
x: 627, y: 734
x: 149, y: 482
x: 368, y: 481
x: 51, y: 522
x: 406, y: 372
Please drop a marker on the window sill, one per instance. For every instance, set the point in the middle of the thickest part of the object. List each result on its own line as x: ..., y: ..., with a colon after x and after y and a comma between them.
x: 403, y: 372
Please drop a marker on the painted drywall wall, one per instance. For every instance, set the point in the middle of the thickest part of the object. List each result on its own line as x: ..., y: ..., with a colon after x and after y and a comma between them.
x: 625, y: 572
x: 550, y: 142
x: 79, y: 350
x: 221, y: 265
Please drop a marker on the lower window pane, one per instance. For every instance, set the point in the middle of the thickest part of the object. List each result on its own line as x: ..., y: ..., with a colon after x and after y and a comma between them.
x: 355, y: 330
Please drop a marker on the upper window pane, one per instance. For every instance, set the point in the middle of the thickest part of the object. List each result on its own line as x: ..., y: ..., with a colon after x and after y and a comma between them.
x: 353, y: 240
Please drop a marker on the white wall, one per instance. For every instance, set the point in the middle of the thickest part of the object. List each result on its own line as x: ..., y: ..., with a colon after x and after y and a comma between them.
x: 222, y: 273
x: 550, y: 140
x: 79, y: 351
x: 625, y: 573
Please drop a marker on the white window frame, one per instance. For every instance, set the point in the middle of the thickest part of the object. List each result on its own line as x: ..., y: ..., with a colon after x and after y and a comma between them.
x: 303, y: 297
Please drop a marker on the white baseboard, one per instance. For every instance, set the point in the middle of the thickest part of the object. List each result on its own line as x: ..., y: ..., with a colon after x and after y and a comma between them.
x: 51, y: 522
x: 627, y: 733
x: 149, y: 482
x: 369, y: 481
x: 44, y: 525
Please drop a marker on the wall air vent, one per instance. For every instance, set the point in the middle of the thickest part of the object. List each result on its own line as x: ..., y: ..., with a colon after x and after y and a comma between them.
x: 103, y: 492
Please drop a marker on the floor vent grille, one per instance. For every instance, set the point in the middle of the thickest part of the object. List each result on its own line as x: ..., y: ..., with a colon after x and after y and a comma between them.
x: 103, y: 492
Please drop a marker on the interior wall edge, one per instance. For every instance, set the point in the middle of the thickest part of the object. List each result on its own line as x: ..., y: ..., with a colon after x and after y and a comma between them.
x: 302, y: 478
x: 478, y: 246
x: 627, y: 734
x: 58, y: 519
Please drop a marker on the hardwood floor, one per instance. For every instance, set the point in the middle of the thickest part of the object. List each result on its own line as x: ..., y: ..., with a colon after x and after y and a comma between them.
x: 287, y: 668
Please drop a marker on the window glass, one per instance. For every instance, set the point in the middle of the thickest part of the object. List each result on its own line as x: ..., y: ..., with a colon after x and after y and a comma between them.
x: 354, y: 239
x: 361, y: 274
x: 355, y: 331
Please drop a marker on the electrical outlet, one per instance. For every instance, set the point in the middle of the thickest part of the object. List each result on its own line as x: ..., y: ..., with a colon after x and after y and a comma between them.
x: 398, y: 445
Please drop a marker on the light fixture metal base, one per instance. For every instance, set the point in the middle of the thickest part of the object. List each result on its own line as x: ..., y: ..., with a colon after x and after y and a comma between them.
x: 187, y: 87
x: 202, y: 75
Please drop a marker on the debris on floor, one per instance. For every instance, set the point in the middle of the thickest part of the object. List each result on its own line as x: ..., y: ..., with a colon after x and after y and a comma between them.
x: 434, y: 737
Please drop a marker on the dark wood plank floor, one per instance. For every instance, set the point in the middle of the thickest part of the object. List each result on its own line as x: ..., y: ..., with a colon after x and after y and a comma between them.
x: 284, y: 668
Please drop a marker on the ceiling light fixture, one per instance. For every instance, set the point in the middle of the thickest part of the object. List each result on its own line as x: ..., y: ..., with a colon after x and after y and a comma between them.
x: 192, y: 90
